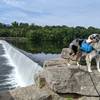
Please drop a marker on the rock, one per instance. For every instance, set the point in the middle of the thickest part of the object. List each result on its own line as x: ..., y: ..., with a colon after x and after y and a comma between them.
x: 89, y: 98
x: 27, y: 93
x: 65, y: 53
x: 43, y: 95
x: 40, y: 80
x: 56, y: 62
x: 31, y: 93
x: 72, y: 80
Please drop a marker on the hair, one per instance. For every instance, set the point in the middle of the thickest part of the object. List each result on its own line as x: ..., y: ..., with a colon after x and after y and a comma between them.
x: 95, y: 37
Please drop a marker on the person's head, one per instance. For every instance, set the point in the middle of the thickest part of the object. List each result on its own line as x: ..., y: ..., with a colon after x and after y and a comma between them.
x: 94, y: 38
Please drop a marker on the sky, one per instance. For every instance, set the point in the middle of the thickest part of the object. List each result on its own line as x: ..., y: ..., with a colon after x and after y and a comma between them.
x: 51, y: 12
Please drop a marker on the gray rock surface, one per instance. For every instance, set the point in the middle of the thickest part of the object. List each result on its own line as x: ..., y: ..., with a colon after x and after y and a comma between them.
x: 27, y: 93
x: 89, y: 98
x: 57, y: 62
x: 65, y: 53
x: 31, y: 93
x: 72, y: 79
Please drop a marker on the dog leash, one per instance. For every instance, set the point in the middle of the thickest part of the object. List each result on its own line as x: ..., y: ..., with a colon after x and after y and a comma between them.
x: 94, y: 85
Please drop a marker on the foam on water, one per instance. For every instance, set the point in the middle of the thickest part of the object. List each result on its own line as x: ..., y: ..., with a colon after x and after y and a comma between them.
x: 12, y: 76
x: 24, y: 68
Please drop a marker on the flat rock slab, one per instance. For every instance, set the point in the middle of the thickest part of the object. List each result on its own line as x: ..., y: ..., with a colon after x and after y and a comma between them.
x: 26, y: 93
x: 89, y: 98
x: 72, y: 79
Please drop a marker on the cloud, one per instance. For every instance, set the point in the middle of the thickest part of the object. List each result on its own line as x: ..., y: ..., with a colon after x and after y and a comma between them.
x: 52, y: 12
x: 12, y: 2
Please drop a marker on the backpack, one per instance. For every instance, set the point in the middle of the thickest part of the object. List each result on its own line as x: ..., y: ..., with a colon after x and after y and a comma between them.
x: 86, y: 47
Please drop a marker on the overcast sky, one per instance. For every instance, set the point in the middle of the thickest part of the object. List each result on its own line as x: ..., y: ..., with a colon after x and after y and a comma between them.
x: 51, y: 12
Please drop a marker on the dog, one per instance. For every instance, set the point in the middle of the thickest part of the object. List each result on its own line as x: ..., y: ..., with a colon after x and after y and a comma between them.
x: 75, y: 45
x: 95, y: 54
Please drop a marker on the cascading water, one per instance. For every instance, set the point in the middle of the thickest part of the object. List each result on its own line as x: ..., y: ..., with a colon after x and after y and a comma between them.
x: 7, y: 79
x: 22, y: 68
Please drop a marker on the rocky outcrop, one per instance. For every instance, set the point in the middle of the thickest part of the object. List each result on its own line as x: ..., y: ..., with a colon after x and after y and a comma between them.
x: 63, y: 79
x: 27, y: 93
x: 72, y: 79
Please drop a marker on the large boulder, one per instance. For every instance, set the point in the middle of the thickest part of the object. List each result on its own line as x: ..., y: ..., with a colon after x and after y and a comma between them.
x: 72, y: 79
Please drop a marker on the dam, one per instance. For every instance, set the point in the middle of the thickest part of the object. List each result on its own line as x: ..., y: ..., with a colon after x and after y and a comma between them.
x: 16, y: 69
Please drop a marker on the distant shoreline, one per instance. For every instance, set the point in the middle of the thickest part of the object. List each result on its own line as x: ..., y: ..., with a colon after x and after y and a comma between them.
x: 14, y: 38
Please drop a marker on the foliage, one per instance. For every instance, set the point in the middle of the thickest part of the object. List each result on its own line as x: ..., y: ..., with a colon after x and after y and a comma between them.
x: 59, y: 34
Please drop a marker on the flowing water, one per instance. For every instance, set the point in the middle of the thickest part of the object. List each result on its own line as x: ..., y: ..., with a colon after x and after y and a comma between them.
x: 17, y: 67
x: 7, y: 77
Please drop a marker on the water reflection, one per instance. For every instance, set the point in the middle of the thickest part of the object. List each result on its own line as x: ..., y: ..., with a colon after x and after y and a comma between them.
x: 37, y: 47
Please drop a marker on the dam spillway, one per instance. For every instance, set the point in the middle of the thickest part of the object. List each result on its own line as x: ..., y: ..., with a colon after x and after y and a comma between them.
x: 16, y: 69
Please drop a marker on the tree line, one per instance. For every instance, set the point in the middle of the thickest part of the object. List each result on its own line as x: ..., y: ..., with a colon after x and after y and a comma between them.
x: 59, y: 34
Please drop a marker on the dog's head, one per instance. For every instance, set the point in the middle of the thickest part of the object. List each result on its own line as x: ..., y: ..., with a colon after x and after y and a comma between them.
x: 95, y: 37
x: 96, y: 42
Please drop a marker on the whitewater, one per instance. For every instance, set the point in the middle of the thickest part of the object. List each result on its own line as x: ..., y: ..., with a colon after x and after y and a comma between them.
x: 16, y: 69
